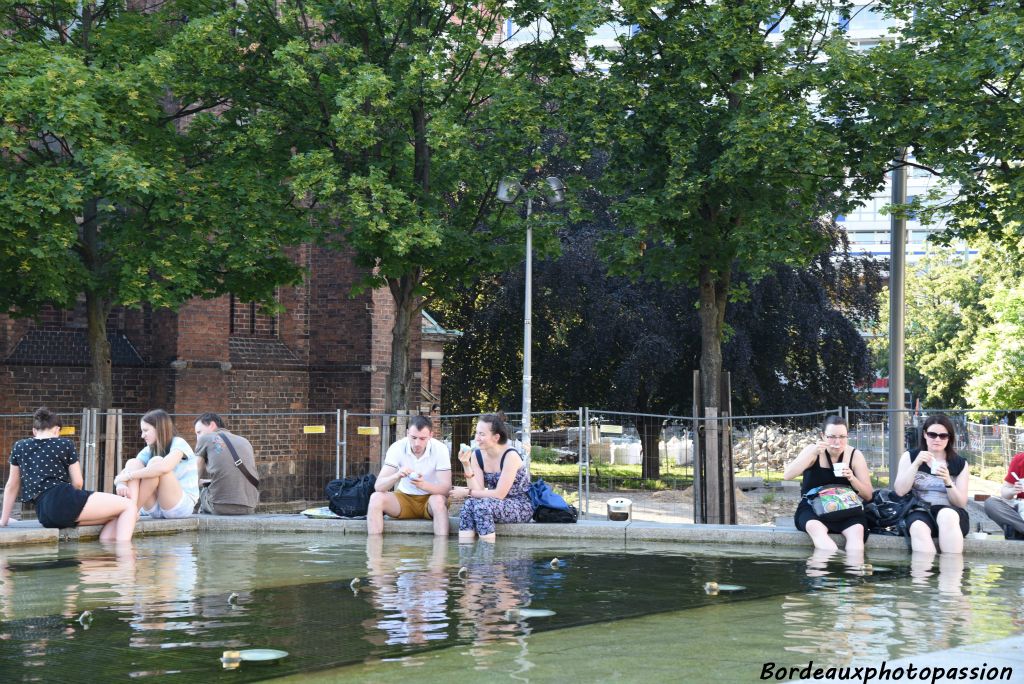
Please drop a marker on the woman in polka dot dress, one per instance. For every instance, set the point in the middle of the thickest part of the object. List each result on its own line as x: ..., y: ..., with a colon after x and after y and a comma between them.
x: 45, y: 471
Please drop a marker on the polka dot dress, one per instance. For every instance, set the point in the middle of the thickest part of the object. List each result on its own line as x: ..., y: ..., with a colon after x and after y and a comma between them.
x: 44, y: 464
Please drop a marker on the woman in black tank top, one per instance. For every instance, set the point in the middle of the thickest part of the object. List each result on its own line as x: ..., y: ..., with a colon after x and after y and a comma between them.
x: 815, y: 464
x: 940, y: 477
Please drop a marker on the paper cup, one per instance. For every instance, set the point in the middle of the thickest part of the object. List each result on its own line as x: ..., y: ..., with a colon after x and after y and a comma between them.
x: 838, y: 468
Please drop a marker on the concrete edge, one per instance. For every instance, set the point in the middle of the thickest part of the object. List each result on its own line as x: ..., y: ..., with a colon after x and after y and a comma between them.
x: 25, y: 533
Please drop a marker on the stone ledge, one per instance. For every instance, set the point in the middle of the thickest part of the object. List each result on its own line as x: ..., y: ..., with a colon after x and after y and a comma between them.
x: 30, y: 532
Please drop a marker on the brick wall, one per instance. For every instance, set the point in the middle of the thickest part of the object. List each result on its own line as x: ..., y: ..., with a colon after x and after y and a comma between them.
x: 326, y: 351
x: 23, y: 389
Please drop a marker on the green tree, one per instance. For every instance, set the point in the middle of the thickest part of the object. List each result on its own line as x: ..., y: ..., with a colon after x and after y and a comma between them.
x: 997, y: 356
x: 943, y: 316
x: 618, y: 343
x: 730, y: 140
x: 125, y: 177
x: 950, y: 88
x: 404, y: 115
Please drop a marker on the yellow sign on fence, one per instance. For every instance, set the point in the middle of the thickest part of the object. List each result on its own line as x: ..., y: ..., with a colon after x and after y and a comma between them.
x: 367, y: 430
x: 314, y: 429
x: 67, y: 430
x: 611, y: 429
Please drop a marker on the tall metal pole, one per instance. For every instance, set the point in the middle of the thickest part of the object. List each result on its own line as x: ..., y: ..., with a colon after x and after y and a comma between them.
x: 897, y: 307
x: 527, y: 325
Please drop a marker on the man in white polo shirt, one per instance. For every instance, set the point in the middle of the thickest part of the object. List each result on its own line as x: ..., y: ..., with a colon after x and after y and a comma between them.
x: 421, y: 468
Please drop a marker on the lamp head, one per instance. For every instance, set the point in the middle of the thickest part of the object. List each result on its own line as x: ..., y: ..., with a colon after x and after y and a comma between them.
x: 557, y: 189
x: 508, y: 190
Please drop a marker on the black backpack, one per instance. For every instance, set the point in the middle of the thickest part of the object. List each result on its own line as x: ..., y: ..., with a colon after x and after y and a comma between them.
x: 547, y: 514
x: 887, y: 512
x: 350, y: 497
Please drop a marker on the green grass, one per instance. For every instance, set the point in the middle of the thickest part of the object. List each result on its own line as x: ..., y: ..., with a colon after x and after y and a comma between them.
x: 544, y: 463
x: 612, y: 476
x: 539, y: 454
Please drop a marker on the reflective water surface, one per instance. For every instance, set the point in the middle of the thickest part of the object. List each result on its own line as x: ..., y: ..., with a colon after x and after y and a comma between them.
x: 399, y: 607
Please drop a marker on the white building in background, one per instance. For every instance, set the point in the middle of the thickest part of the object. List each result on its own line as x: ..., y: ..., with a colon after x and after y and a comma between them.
x: 868, y: 228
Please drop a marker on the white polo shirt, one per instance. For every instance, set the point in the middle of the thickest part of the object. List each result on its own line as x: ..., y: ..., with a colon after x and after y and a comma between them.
x: 435, y: 458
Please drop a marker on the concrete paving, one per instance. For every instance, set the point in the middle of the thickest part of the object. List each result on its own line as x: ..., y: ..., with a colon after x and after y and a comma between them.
x: 30, y: 532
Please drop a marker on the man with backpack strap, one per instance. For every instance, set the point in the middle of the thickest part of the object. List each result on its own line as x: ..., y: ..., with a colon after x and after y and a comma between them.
x: 228, y: 461
x: 419, y: 469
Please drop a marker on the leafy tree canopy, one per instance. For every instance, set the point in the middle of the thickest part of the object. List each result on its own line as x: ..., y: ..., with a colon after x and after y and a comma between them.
x: 124, y: 177
x: 404, y: 115
x: 628, y: 344
x: 950, y: 88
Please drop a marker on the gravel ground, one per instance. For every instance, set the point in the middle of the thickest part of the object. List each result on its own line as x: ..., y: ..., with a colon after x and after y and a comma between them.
x: 756, y: 507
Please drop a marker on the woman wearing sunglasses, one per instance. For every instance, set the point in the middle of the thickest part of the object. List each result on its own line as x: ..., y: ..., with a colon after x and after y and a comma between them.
x: 938, y: 476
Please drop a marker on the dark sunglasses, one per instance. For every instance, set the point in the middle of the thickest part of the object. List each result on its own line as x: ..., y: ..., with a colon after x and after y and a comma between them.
x: 936, y: 435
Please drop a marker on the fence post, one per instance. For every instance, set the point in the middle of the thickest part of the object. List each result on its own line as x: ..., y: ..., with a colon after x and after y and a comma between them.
x: 83, y: 446
x: 338, y: 441
x: 698, y: 489
x: 344, y: 444
x: 585, y: 461
x: 90, y: 417
x: 579, y: 458
x: 119, y: 446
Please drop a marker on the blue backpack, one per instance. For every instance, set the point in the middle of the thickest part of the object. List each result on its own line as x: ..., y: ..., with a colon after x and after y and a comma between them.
x: 549, y: 506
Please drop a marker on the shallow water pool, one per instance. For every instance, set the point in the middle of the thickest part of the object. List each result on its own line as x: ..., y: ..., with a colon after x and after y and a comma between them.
x: 412, y: 607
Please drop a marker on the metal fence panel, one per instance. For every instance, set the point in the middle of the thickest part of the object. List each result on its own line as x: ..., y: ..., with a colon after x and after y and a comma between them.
x: 590, y: 455
x: 983, y: 436
x: 295, y: 452
x: 615, y: 466
x: 762, y: 445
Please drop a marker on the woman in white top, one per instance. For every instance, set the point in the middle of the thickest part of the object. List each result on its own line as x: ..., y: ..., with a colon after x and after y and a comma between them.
x: 163, y: 479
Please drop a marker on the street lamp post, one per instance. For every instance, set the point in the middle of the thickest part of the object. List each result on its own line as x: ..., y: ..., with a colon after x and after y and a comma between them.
x: 509, y: 192
x: 897, y: 312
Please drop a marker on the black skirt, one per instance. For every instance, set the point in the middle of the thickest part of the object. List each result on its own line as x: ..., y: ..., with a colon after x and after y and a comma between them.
x: 60, y: 505
x: 929, y: 519
x: 805, y: 513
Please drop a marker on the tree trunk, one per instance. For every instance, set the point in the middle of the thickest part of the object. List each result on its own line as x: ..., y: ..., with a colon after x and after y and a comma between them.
x: 99, y: 393
x: 407, y: 309
x: 100, y: 389
x: 714, y: 294
x: 650, y: 435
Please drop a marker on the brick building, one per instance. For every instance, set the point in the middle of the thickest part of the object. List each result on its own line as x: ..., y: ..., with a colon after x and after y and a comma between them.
x: 328, y: 350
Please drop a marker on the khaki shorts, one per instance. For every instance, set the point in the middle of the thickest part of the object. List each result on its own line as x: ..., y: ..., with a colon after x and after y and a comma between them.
x: 414, y: 506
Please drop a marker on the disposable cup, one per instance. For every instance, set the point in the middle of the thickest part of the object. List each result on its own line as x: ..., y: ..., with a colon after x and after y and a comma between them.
x: 838, y: 468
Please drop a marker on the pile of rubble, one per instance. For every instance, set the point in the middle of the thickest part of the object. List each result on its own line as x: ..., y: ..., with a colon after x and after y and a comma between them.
x: 770, y: 446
